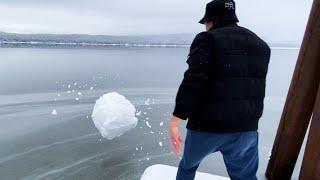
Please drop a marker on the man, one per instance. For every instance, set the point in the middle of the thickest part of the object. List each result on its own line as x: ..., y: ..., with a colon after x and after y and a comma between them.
x: 221, y: 95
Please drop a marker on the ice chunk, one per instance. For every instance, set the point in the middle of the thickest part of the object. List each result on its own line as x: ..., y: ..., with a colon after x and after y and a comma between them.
x: 148, y: 124
x: 160, y: 172
x: 113, y: 115
x: 147, y: 102
x: 138, y: 113
x: 54, y: 112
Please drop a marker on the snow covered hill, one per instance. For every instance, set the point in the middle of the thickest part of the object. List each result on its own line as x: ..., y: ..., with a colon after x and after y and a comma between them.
x: 93, y: 40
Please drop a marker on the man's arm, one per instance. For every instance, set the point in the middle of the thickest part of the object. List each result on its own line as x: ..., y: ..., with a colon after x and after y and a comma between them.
x: 192, y: 88
x: 195, y: 81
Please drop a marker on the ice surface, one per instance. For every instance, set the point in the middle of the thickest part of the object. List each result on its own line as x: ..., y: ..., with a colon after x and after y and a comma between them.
x: 113, y: 115
x: 160, y: 172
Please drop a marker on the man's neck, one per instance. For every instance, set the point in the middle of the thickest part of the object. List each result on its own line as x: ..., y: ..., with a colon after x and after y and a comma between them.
x: 223, y: 24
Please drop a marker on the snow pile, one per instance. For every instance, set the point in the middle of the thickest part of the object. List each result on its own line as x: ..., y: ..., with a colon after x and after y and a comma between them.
x: 160, y: 172
x: 113, y: 115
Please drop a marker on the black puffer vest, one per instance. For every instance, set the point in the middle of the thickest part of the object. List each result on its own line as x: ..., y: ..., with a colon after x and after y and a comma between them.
x: 238, y: 69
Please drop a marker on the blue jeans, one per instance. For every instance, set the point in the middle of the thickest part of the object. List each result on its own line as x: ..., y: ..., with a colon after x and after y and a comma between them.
x: 239, y: 150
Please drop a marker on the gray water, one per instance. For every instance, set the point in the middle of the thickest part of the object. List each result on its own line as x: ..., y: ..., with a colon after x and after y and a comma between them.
x: 35, y: 144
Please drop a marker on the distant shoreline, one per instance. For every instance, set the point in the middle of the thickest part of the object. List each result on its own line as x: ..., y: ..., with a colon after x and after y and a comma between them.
x: 105, y: 41
x: 84, y: 44
x: 39, y: 44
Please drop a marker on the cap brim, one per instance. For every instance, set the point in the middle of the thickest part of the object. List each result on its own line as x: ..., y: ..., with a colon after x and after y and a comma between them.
x: 232, y: 17
x: 203, y: 20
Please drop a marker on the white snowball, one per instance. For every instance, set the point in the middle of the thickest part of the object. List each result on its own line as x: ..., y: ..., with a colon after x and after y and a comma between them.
x: 113, y: 115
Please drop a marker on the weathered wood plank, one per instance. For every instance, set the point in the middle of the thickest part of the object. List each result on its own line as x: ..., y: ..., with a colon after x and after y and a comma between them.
x: 311, y: 161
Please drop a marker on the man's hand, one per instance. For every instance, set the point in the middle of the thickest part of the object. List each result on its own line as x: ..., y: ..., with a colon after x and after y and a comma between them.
x: 175, y: 136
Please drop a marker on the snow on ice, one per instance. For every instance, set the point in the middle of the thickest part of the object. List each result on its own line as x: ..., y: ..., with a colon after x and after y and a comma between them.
x: 113, y: 115
x: 160, y: 172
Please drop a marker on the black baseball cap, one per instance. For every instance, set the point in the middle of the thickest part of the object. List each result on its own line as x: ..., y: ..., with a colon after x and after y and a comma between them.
x: 218, y: 10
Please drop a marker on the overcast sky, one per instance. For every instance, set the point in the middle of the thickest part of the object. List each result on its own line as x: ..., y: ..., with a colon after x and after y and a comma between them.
x: 274, y: 20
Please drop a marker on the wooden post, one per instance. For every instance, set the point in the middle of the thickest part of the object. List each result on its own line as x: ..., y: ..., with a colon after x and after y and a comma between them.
x: 311, y: 161
x: 299, y: 104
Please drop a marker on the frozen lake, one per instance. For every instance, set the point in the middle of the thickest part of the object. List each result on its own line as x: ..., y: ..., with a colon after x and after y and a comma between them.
x: 46, y: 101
